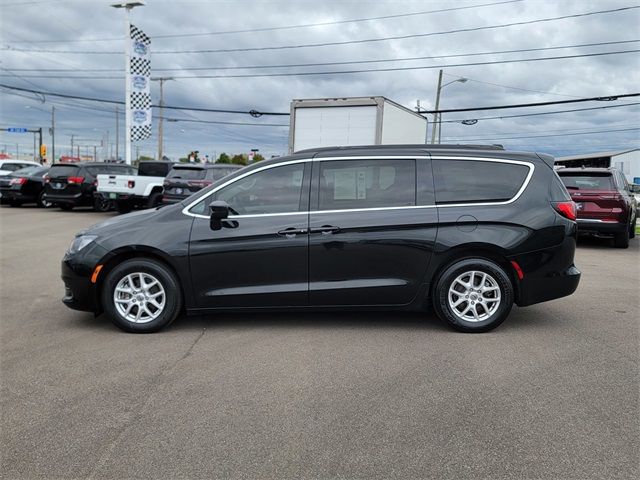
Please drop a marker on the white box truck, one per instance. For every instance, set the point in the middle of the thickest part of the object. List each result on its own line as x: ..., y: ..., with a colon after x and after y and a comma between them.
x: 329, y: 122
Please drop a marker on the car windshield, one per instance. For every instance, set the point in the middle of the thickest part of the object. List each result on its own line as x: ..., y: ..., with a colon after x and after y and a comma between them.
x: 29, y: 171
x: 187, y: 173
x: 63, y: 170
x: 587, y: 181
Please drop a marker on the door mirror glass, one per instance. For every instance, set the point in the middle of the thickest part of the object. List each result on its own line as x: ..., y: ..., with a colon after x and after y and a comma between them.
x: 218, y: 210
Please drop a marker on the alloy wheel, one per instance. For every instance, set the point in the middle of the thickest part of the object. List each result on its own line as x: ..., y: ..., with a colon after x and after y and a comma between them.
x: 139, y: 297
x: 474, y: 296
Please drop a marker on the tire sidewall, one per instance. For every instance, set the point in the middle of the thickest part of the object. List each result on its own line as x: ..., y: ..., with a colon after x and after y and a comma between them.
x: 173, y: 302
x: 441, y: 294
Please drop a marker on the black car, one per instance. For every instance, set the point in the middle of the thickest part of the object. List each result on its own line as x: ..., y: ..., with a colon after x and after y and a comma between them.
x: 470, y: 231
x: 187, y: 178
x: 70, y: 185
x: 24, y: 186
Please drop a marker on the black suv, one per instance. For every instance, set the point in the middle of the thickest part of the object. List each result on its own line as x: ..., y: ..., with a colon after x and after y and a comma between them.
x: 470, y: 231
x: 69, y: 185
x: 187, y: 178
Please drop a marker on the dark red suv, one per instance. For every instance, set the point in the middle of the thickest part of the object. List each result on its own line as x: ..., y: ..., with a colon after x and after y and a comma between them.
x: 606, y: 205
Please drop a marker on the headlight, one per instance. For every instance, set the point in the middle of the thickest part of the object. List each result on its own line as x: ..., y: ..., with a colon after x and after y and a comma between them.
x: 80, y: 242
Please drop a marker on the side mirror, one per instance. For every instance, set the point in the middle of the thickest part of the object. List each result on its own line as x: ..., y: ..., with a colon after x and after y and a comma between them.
x: 218, y: 211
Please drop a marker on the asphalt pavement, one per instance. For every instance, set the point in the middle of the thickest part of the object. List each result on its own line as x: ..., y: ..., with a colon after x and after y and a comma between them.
x: 553, y: 393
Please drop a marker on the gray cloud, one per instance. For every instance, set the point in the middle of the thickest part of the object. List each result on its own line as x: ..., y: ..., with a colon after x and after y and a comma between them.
x: 35, y: 21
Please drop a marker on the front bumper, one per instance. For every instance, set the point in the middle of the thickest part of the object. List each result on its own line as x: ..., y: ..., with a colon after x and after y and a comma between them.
x: 79, y: 292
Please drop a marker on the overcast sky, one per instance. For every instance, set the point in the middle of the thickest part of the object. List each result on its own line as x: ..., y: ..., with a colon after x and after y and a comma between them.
x: 71, y: 27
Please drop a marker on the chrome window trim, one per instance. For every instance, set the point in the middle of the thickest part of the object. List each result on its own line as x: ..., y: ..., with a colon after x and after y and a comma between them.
x: 524, y: 186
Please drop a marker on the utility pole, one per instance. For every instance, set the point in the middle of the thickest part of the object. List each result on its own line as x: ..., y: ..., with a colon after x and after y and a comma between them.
x: 40, y: 145
x: 160, y: 115
x: 117, y: 133
x: 53, y: 134
x: 436, y: 115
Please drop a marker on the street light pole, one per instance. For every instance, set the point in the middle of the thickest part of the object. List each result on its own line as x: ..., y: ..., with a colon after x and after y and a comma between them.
x: 128, y: 6
x: 53, y: 134
x: 437, y: 117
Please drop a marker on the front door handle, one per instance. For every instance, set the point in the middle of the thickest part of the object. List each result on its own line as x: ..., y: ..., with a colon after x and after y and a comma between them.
x: 325, y: 230
x: 291, y: 232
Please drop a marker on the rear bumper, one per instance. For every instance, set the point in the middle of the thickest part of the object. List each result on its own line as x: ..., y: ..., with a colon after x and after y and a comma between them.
x: 8, y: 195
x: 169, y: 198
x: 115, y: 196
x: 77, y: 199
x: 586, y: 225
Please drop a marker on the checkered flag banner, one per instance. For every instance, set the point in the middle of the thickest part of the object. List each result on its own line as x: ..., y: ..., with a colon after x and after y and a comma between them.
x: 140, y: 83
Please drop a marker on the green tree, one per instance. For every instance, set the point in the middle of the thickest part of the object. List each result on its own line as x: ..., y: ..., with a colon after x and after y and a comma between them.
x: 223, y: 158
x: 239, y: 159
x: 257, y: 157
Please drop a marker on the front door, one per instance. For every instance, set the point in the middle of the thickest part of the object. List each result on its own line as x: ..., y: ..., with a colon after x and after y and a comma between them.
x: 259, y: 257
x: 372, y: 231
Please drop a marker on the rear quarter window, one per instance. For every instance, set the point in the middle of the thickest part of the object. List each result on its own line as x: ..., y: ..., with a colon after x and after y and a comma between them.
x: 468, y: 181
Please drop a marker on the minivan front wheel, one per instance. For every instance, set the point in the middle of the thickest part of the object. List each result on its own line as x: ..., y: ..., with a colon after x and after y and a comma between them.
x: 473, y: 295
x: 141, y: 296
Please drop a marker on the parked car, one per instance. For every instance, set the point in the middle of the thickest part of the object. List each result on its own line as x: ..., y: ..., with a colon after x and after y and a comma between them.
x: 131, y: 191
x: 24, y: 186
x: 470, y: 231
x: 8, y: 166
x: 605, y: 202
x: 70, y: 185
x: 185, y: 179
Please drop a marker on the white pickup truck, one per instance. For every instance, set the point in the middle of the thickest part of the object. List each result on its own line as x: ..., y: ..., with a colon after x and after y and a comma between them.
x: 130, y: 191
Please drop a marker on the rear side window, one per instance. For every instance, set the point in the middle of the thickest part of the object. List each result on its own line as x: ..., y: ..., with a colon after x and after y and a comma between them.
x: 588, y: 181
x: 351, y: 184
x: 468, y: 181
x: 218, y: 173
x: 188, y: 173
x: 63, y: 171
x: 28, y: 171
x: 12, y: 167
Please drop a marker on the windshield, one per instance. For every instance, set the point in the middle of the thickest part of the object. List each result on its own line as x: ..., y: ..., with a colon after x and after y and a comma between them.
x: 63, y: 170
x: 587, y: 181
x: 187, y: 173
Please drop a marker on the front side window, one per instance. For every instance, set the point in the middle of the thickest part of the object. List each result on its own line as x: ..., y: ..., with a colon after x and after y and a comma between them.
x: 468, y: 181
x: 275, y: 190
x: 354, y: 184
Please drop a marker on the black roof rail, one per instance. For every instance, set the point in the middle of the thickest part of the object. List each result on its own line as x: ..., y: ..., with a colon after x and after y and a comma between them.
x: 425, y: 146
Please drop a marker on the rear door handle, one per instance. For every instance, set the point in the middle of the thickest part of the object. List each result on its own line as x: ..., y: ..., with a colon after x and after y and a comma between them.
x: 292, y: 232
x: 325, y: 230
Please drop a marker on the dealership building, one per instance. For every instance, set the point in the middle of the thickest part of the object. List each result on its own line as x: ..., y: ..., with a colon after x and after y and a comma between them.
x: 626, y: 160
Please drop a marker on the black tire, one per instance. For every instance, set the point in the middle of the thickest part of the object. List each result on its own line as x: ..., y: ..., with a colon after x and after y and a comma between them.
x: 155, y: 200
x: 65, y: 206
x: 447, y: 280
x: 166, y: 278
x: 42, y: 202
x: 124, y: 206
x: 621, y: 240
x: 102, y: 205
x: 632, y: 228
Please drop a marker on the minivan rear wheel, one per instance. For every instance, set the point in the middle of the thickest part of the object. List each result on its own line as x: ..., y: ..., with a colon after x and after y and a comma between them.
x: 141, y: 296
x: 473, y: 295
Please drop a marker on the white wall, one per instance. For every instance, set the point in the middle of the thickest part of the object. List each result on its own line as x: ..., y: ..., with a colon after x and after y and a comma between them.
x: 334, y: 126
x: 629, y: 163
x: 399, y: 126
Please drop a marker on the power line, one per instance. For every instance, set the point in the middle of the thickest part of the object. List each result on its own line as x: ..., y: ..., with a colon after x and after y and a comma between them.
x: 355, y: 62
x: 346, y: 42
x: 348, y: 72
x: 554, y: 112
x: 256, y: 113
x: 286, y: 27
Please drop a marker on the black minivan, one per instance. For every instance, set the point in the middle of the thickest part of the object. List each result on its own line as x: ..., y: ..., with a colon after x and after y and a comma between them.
x: 467, y: 230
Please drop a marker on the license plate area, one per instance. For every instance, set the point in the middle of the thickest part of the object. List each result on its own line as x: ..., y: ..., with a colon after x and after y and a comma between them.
x: 113, y: 195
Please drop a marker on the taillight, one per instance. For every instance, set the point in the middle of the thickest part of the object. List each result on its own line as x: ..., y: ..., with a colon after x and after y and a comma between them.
x: 566, y: 209
x: 72, y: 180
x: 18, y: 181
x: 47, y: 179
x: 131, y: 183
